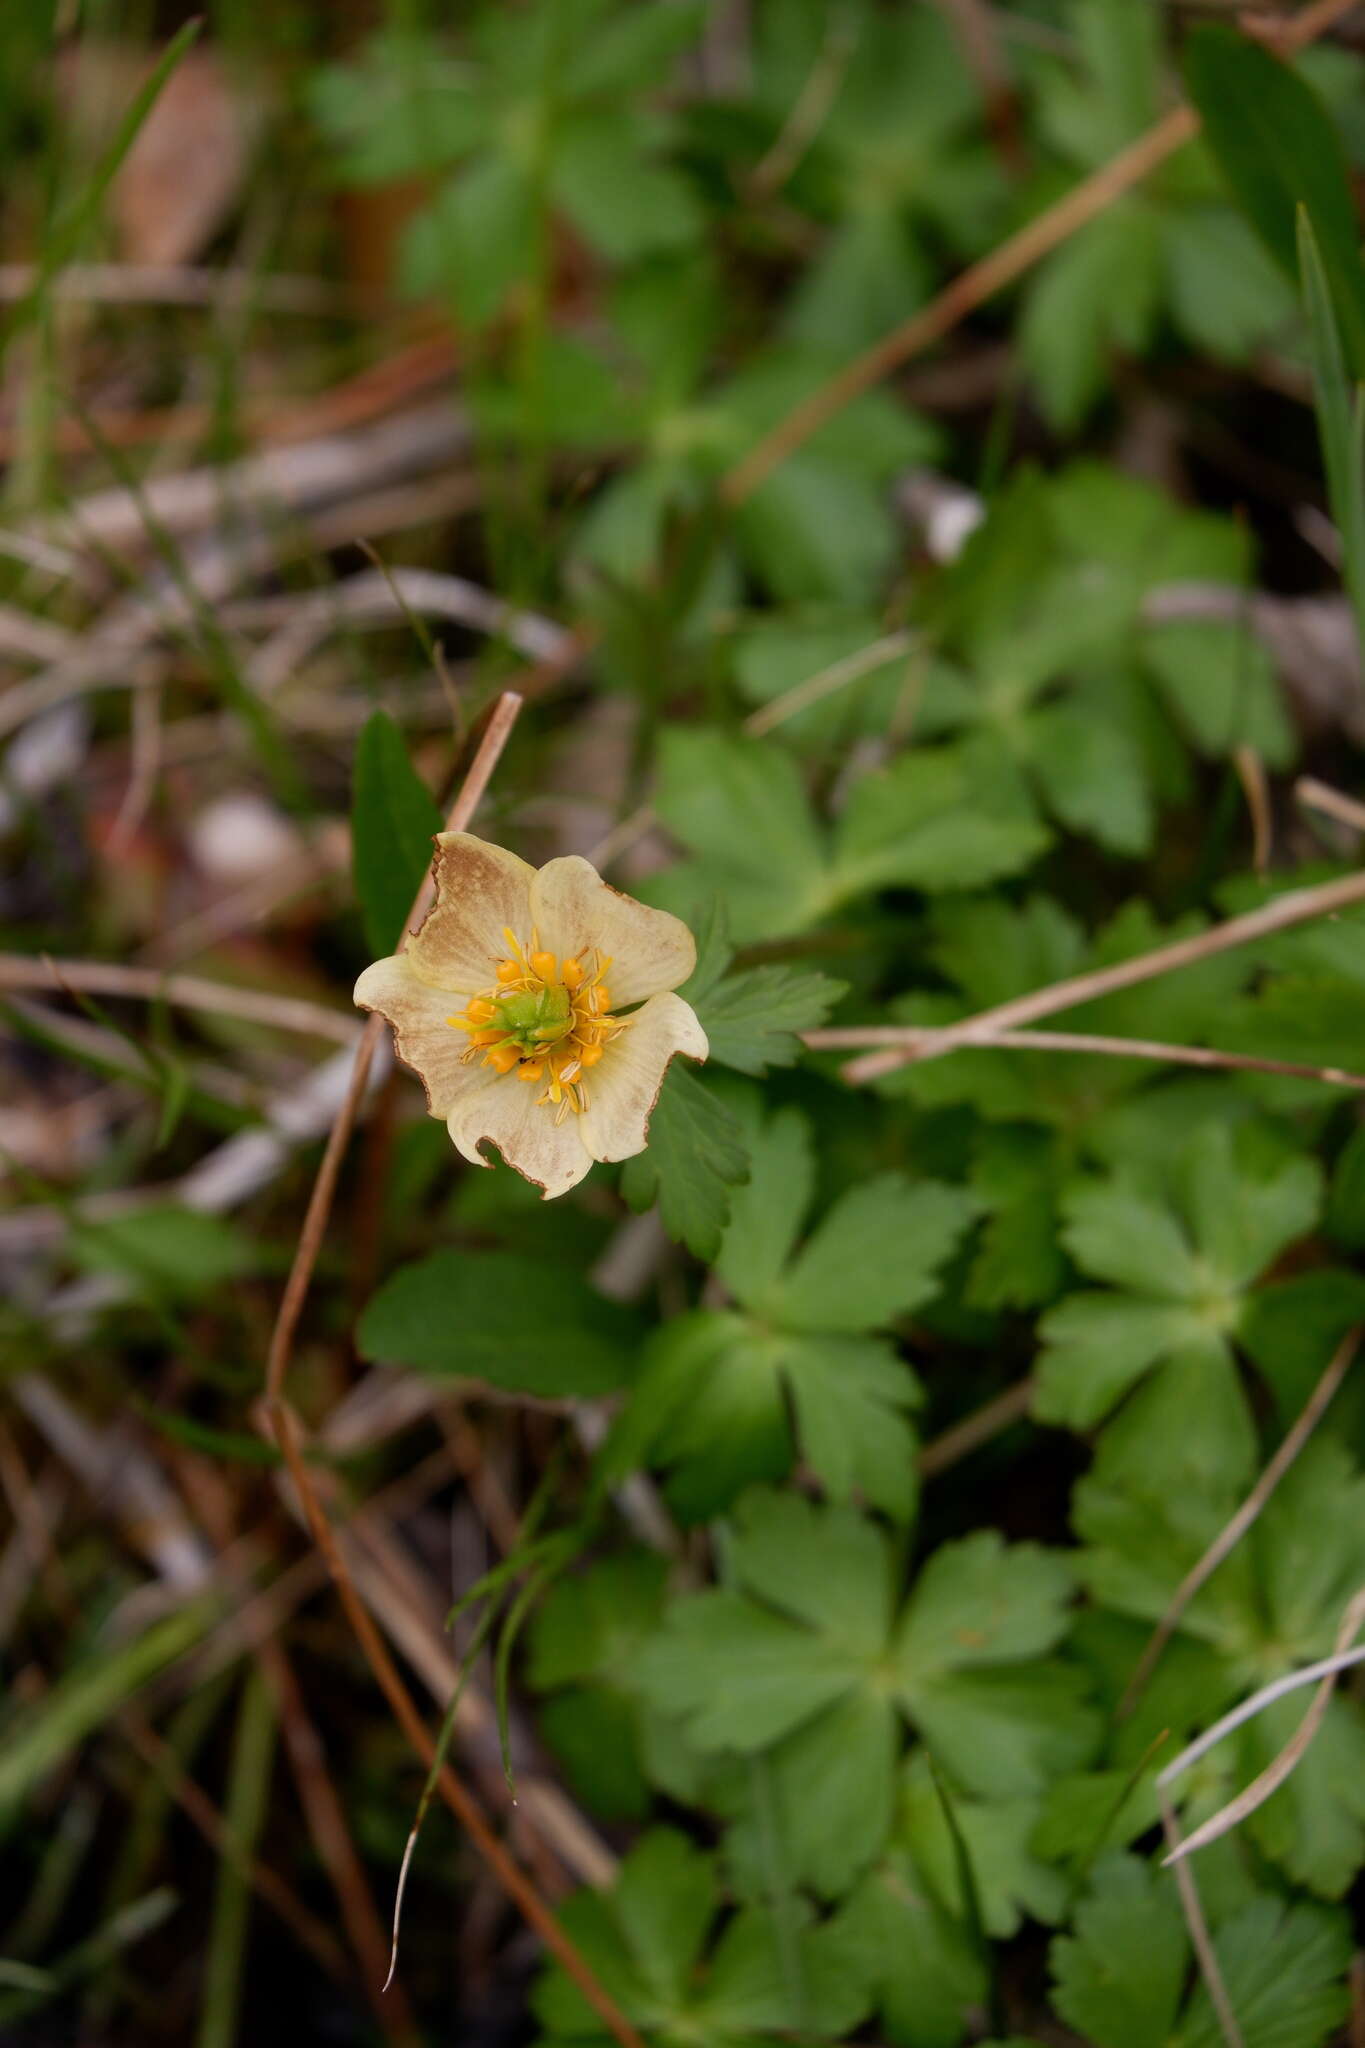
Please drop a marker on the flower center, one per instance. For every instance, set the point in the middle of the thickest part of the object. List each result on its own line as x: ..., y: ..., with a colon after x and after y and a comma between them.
x: 544, y: 1020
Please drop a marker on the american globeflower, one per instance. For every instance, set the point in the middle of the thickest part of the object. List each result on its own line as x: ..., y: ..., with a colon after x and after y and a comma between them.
x: 536, y: 1007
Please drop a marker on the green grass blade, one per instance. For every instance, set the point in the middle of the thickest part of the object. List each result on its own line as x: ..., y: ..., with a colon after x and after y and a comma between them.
x: 85, y: 1697
x: 1341, y: 423
x: 66, y: 235
x: 253, y: 1753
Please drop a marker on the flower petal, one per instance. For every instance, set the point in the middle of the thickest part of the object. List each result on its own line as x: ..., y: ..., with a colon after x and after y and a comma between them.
x: 507, y: 1115
x: 479, y: 889
x: 423, y: 1039
x: 573, y: 907
x: 624, y: 1087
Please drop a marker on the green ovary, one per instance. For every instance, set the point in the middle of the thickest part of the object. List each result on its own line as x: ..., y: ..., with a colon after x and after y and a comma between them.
x: 536, y: 1018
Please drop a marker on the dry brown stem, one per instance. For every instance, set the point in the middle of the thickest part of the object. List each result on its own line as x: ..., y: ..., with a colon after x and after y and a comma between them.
x: 457, y: 1797
x: 999, y: 1413
x: 496, y: 734
x: 1197, y: 1926
x: 186, y: 991
x: 922, y: 1044
x: 286, y: 1430
x: 1297, y: 906
x: 1004, y: 265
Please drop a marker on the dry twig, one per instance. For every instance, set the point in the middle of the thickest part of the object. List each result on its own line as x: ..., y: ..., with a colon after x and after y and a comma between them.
x: 1232, y: 1532
x: 922, y: 1042
x: 1297, y: 906
x: 1205, y: 1954
x: 1004, y: 265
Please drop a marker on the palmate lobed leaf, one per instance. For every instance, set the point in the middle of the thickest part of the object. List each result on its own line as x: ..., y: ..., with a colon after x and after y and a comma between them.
x: 1120, y: 1978
x: 740, y: 806
x: 813, y: 1627
x: 724, y: 1398
x: 644, y: 1941
x: 1276, y: 1601
x: 1182, y: 1251
x: 695, y: 1157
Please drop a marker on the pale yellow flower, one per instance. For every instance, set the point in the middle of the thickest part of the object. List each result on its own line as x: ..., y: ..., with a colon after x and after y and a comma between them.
x: 515, y: 1004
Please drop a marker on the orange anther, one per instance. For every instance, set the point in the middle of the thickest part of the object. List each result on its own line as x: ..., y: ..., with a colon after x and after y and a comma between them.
x: 481, y: 1011
x: 509, y: 970
x: 590, y: 1055
x: 531, y: 1070
x: 544, y: 964
x: 503, y: 1057
x: 572, y: 973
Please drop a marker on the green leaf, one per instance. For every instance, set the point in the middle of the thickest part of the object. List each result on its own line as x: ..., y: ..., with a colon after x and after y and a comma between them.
x: 1092, y: 775
x: 1100, y: 1345
x: 978, y: 1607
x: 925, y: 1966
x: 752, y: 1017
x: 475, y: 240
x: 497, y: 1316
x: 1099, y: 290
x: 394, y: 114
x: 850, y: 1396
x: 393, y: 820
x: 1226, y: 294
x: 1119, y: 1979
x: 767, y: 1213
x: 1283, y: 1968
x: 875, y: 1256
x: 626, y: 206
x: 1011, y: 1881
x: 166, y: 1249
x: 745, y: 1674
x: 695, y: 1156
x: 1220, y: 684
x: 914, y: 825
x: 1279, y: 149
x: 741, y: 806
x: 582, y: 1649
x: 642, y: 1940
x: 1183, y: 1258
x: 708, y: 1411
x: 740, y: 1675
x: 634, y: 49
x: 979, y: 1601
x: 815, y: 530
x: 1019, y: 1262
x: 831, y: 1788
x: 812, y: 1627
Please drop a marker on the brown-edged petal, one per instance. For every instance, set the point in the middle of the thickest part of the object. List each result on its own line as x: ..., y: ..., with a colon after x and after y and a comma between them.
x: 574, y: 908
